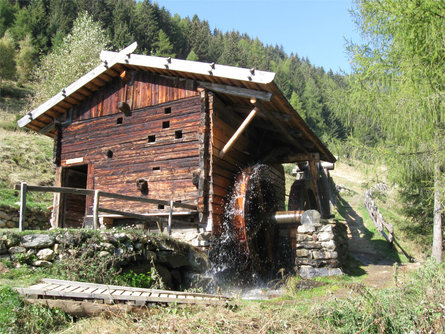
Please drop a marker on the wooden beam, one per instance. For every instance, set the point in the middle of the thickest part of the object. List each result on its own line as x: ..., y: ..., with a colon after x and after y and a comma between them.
x: 238, y: 132
x: 299, y: 157
x: 314, y: 176
x: 78, y: 191
x: 237, y: 91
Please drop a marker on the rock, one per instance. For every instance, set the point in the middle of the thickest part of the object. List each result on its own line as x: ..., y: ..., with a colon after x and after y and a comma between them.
x: 3, y: 248
x: 42, y: 263
x: 107, y: 246
x: 108, y: 238
x: 11, y: 239
x: 120, y: 237
x: 56, y: 248
x: 38, y: 241
x: 5, y: 216
x: 104, y: 254
x: 5, y: 257
x: 164, y: 275
x: 2, y: 224
x: 309, y: 272
x: 45, y: 254
x: 10, y: 224
x: 172, y: 259
x: 311, y: 217
x: 198, y: 261
x: 327, y: 228
x: 138, y: 246
x: 17, y: 250
x: 176, y: 276
x: 150, y: 256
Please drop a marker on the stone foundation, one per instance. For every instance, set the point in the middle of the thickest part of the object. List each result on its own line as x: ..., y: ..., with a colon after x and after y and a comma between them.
x: 321, y: 248
x: 36, y: 219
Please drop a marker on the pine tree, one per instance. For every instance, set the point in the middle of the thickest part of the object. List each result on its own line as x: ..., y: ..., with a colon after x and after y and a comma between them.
x: 192, y: 56
x: 162, y: 46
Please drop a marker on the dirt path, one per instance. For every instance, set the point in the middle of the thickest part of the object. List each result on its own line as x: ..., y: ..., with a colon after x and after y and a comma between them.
x: 378, y: 268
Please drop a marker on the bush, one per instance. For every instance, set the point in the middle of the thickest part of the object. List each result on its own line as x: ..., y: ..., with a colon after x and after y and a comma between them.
x: 17, y: 316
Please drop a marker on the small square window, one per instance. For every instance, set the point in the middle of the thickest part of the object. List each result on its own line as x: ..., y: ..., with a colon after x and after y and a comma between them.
x: 151, y: 139
x: 119, y: 120
x: 168, y: 110
x: 178, y: 134
x: 165, y: 124
x: 156, y: 168
x: 160, y: 206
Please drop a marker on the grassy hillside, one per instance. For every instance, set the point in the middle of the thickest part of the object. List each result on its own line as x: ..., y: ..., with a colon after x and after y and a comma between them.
x: 24, y: 155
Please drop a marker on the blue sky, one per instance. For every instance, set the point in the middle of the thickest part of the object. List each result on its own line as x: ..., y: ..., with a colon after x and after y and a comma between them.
x: 309, y: 28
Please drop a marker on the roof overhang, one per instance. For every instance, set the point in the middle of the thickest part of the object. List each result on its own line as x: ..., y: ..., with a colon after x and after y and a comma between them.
x: 239, y: 84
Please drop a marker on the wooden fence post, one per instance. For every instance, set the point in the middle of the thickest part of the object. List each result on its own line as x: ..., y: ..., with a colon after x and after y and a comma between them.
x: 96, y: 209
x: 23, y: 189
x: 170, y: 216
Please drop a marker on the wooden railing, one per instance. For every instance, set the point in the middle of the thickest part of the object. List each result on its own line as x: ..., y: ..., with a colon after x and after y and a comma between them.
x: 380, y: 223
x: 24, y: 188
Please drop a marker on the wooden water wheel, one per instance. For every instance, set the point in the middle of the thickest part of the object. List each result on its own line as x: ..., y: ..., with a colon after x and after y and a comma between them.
x: 255, y: 200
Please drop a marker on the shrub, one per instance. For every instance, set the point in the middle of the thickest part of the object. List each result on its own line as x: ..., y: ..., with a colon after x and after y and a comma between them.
x: 416, y: 307
x: 17, y: 316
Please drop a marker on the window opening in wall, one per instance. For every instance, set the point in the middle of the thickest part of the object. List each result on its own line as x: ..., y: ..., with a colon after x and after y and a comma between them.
x: 165, y: 124
x: 178, y: 134
x: 152, y: 138
x: 168, y: 110
x: 109, y: 154
x: 160, y: 206
x: 156, y: 168
x: 119, y: 120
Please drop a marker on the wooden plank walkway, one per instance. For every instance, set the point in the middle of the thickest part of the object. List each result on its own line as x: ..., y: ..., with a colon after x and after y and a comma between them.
x: 112, y: 294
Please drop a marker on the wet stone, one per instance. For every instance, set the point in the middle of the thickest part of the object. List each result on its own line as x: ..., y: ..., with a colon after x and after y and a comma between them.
x: 38, y: 241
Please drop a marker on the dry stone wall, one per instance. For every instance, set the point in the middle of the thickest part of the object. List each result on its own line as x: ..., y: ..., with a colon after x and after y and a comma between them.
x: 321, y: 248
x: 36, y: 219
x: 177, y: 263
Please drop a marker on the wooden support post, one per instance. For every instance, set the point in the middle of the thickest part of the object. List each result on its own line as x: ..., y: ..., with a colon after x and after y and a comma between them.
x: 170, y: 216
x: 238, y: 132
x: 23, y: 189
x: 314, y: 175
x: 96, y: 209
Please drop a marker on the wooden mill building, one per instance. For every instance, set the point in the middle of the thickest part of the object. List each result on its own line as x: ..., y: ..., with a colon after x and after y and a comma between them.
x: 167, y: 129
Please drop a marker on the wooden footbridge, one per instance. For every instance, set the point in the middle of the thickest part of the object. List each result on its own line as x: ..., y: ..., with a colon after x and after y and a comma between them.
x: 61, y: 293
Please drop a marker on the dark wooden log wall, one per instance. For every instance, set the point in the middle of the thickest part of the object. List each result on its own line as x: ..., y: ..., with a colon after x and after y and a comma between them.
x: 159, y: 142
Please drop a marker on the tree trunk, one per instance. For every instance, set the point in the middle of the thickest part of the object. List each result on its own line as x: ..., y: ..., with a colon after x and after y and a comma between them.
x: 437, y: 220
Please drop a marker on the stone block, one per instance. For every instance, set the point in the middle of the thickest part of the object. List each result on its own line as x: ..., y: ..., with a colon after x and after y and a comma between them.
x: 308, y: 272
x: 302, y: 252
x: 311, y: 217
x: 103, y: 254
x: 306, y: 229
x: 325, y: 236
x: 38, y: 241
x: 329, y: 245
x: 308, y: 245
x: 2, y: 224
x: 304, y: 237
x: 10, y: 224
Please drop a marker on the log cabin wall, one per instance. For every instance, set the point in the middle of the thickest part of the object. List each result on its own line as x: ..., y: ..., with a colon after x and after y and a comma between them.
x: 160, y: 142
